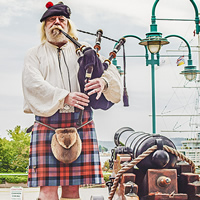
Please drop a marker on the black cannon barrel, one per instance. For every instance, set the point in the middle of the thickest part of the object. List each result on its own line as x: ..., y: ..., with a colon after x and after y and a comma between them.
x: 139, y: 142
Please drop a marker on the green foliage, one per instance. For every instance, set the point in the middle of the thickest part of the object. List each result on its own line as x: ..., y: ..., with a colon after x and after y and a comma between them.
x: 106, y: 176
x: 13, y: 179
x: 102, y: 149
x: 6, y: 155
x: 106, y: 166
x: 14, y: 153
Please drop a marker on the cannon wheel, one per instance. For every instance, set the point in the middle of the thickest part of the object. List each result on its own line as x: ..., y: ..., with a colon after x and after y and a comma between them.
x: 96, y: 198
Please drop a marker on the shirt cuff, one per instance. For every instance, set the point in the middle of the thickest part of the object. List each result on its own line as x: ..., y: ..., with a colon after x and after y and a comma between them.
x: 106, y: 84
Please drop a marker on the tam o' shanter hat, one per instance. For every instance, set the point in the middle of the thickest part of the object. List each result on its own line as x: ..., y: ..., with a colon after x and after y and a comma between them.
x: 56, y: 10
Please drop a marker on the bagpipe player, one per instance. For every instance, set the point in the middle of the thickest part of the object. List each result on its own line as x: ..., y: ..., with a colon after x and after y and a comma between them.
x: 52, y: 93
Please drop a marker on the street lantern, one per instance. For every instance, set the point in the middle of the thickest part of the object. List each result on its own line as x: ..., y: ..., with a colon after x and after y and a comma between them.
x: 190, y: 72
x: 154, y: 41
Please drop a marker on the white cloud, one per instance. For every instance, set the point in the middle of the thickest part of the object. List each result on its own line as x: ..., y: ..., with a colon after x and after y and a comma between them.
x: 12, y: 8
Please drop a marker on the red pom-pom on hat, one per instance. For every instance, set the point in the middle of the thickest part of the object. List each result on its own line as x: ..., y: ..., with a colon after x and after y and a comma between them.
x: 49, y: 4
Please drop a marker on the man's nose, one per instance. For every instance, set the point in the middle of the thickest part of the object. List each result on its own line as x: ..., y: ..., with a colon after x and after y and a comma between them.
x: 57, y: 21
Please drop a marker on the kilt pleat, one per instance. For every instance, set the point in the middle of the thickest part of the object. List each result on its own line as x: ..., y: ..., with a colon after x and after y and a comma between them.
x: 46, y: 170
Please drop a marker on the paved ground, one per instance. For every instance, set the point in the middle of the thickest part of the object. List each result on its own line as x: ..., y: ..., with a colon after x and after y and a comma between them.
x: 32, y: 193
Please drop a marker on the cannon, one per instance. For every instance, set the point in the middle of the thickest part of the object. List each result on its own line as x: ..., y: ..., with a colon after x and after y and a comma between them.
x: 148, y: 167
x: 135, y: 143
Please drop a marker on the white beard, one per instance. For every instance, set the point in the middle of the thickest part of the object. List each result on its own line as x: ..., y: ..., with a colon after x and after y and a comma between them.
x: 54, y: 35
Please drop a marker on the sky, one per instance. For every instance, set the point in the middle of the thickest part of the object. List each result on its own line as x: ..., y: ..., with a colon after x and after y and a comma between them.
x: 20, y: 30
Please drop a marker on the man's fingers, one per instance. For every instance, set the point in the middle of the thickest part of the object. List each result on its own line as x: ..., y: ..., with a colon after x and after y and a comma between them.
x: 81, y: 96
x: 82, y: 100
x: 98, y: 95
x: 93, y: 92
x: 81, y: 103
x: 77, y: 99
x: 79, y: 106
x: 91, y: 87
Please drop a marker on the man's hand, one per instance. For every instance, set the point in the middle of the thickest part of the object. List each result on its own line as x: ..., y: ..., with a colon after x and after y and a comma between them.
x: 77, y: 99
x: 96, y: 85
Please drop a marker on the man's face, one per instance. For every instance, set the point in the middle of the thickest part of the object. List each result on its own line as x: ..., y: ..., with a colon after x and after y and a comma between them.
x: 53, y: 25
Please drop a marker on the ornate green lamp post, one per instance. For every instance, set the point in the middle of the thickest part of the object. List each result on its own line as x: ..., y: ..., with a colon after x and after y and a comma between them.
x: 154, y: 41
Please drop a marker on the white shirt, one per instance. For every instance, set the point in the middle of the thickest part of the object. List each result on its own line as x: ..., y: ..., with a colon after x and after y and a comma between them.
x: 45, y: 86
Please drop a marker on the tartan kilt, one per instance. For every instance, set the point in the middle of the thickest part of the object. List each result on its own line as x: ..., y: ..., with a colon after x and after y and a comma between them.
x: 46, y: 170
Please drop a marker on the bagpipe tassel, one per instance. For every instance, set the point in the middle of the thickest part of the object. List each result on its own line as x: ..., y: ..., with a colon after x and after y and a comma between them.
x: 125, y: 93
x: 125, y: 98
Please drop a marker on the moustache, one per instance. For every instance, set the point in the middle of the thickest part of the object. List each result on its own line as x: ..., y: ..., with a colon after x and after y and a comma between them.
x: 56, y: 30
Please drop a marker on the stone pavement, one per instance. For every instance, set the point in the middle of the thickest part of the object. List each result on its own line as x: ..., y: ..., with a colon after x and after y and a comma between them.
x: 32, y: 193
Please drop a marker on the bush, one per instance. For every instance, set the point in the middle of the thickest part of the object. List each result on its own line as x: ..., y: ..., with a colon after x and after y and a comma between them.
x: 14, y: 152
x: 106, y: 176
x: 13, y: 179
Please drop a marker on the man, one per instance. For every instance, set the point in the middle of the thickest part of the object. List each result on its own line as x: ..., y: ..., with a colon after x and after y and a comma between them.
x: 52, y: 93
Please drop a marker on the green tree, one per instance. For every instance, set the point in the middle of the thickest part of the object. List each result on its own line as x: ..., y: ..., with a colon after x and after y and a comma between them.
x: 14, y: 153
x: 6, y: 155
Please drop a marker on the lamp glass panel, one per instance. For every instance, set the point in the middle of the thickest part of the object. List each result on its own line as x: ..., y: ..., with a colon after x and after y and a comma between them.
x: 190, y: 76
x: 154, y: 46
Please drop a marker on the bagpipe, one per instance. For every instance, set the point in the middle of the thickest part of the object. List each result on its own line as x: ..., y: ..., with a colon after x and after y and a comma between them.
x: 91, y: 67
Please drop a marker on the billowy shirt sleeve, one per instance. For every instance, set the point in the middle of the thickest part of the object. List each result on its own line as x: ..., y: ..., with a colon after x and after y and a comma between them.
x: 40, y: 97
x: 114, y: 91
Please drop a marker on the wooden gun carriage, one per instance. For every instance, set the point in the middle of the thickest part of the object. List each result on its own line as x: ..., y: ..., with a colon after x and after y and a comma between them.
x: 148, y: 167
